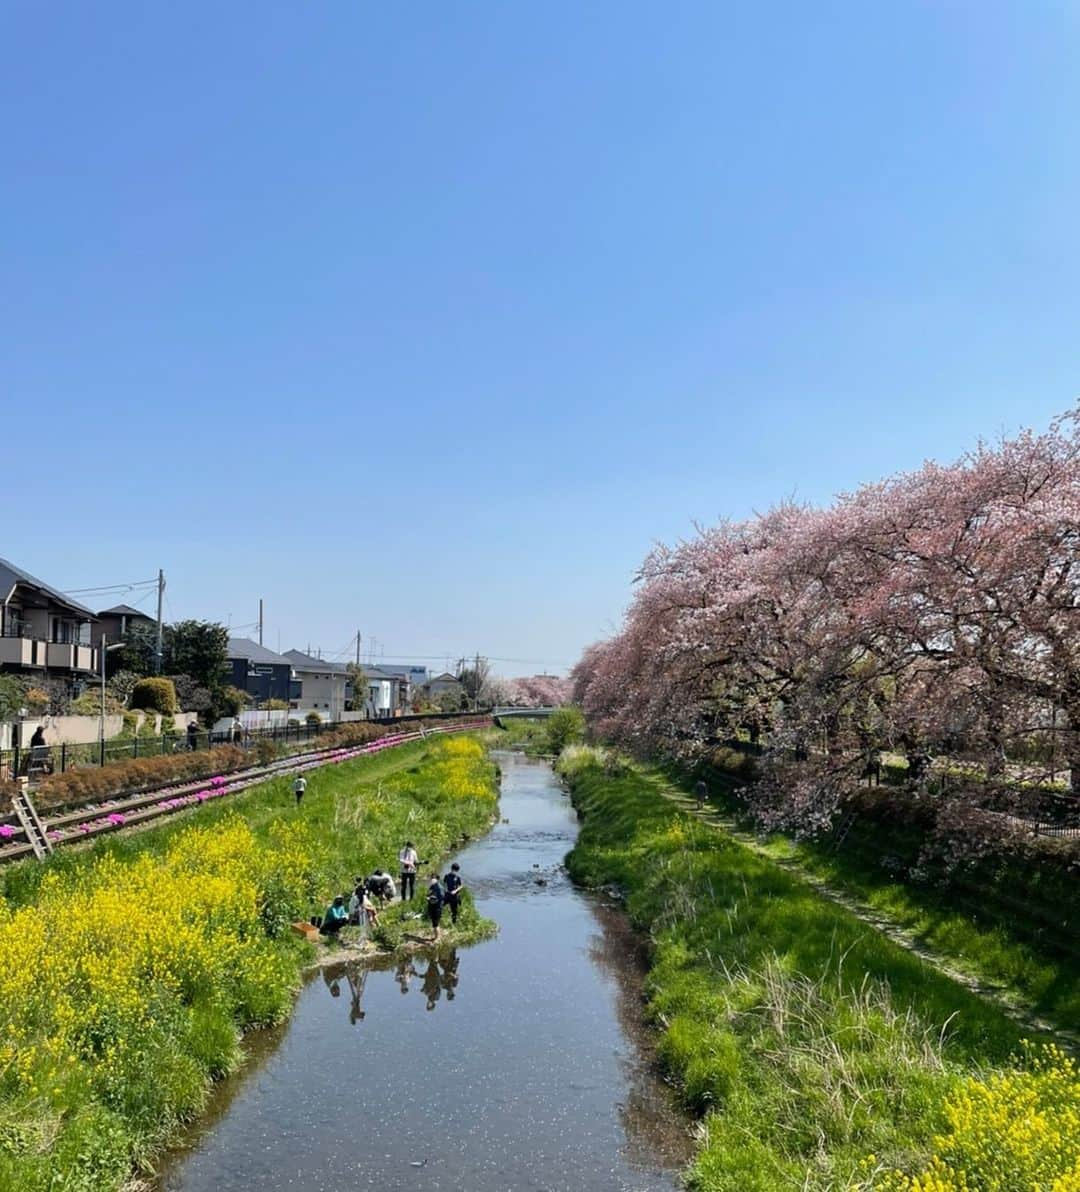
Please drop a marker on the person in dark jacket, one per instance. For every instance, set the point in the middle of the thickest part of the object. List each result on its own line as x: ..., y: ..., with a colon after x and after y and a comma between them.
x: 453, y: 886
x: 435, y: 900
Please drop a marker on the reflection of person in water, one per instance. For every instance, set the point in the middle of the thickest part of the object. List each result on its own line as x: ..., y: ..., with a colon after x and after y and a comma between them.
x: 356, y: 980
x: 449, y: 977
x: 404, y: 973
x: 432, y: 984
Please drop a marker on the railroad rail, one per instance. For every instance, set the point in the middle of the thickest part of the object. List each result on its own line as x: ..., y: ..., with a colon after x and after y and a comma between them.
x: 26, y: 833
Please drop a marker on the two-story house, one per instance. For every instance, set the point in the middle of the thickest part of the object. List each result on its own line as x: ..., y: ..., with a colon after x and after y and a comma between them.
x: 43, y: 633
x: 324, y: 686
x: 114, y: 623
x: 260, y: 672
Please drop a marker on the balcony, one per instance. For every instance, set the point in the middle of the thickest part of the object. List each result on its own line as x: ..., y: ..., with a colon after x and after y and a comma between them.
x: 35, y: 652
x: 71, y: 656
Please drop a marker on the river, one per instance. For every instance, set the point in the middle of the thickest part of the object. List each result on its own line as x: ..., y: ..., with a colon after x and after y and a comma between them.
x: 517, y: 1065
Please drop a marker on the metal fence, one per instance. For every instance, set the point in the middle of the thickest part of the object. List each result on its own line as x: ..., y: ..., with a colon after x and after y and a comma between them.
x: 36, y: 761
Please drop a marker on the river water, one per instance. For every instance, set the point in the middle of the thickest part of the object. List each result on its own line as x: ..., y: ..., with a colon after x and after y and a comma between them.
x: 516, y: 1065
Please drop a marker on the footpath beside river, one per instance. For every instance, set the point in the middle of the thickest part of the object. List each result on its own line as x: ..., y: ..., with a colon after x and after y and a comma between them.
x: 520, y: 1063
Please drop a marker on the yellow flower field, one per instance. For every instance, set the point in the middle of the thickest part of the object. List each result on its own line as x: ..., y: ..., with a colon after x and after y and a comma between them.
x: 1015, y: 1131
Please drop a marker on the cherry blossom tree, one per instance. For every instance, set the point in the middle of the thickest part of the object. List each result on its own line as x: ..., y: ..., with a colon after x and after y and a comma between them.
x: 936, y: 614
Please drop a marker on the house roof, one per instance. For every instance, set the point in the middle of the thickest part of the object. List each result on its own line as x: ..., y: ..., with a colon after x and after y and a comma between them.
x: 445, y: 677
x: 11, y: 576
x: 124, y: 610
x: 376, y: 672
x: 244, y: 647
x: 306, y: 662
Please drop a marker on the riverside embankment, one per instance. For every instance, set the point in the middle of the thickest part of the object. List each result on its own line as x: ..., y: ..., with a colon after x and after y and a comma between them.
x: 521, y: 1063
x: 819, y: 1053
x: 129, y: 969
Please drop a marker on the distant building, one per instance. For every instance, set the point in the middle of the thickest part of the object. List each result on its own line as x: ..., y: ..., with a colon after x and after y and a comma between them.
x: 388, y: 692
x: 43, y: 633
x: 260, y: 672
x: 416, y: 676
x: 443, y: 683
x: 324, y: 686
x: 114, y: 623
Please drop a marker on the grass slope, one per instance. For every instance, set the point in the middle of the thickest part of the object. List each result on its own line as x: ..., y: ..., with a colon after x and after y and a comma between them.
x: 807, y: 1039
x: 1005, y: 954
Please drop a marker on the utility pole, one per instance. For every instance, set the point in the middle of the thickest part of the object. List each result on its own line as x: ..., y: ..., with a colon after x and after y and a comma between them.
x: 160, y: 602
x: 358, y: 647
x: 260, y: 620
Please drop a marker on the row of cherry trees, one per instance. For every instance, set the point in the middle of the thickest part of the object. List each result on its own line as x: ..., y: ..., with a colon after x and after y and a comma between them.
x: 531, y: 691
x: 935, y: 614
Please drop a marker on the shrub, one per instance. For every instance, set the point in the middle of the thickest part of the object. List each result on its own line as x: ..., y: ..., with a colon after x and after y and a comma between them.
x: 122, y: 684
x: 565, y: 726
x: 313, y: 717
x: 135, y: 774
x: 275, y: 705
x: 155, y: 695
x: 89, y: 703
x: 36, y: 699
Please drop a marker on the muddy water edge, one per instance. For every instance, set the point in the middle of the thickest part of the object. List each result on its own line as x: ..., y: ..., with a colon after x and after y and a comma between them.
x: 518, y: 1065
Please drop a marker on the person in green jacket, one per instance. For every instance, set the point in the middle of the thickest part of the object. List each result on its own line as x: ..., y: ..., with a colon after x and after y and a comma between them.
x: 335, y: 918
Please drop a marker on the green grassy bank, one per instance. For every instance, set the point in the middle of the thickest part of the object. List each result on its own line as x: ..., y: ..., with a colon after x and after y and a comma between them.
x: 130, y: 969
x: 807, y: 1040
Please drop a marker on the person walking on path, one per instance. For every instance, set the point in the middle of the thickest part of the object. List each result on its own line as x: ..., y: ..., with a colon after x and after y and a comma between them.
x: 453, y: 885
x: 298, y: 787
x: 701, y: 793
x: 435, y: 900
x: 409, y: 860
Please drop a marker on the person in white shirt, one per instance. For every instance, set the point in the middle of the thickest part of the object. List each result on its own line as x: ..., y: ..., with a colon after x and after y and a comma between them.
x: 409, y: 860
x: 298, y: 787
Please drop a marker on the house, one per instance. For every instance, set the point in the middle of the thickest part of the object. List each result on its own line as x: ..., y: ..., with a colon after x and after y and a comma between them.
x: 415, y: 676
x: 113, y: 623
x: 443, y: 683
x: 388, y: 692
x: 324, y: 686
x: 43, y: 633
x: 260, y: 672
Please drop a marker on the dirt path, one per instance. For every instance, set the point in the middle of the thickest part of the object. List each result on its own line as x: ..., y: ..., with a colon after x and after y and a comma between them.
x: 1007, y: 1000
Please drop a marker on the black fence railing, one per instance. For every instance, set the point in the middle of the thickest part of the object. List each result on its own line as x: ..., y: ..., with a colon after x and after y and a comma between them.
x: 36, y: 761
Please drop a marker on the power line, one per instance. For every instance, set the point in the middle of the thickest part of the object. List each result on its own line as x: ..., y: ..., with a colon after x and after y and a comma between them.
x: 104, y: 588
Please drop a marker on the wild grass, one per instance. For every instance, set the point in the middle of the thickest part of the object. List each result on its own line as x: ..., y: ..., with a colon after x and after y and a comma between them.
x: 1010, y: 954
x: 806, y: 1039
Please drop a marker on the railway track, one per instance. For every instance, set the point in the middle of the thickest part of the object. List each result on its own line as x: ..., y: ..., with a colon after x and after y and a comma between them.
x: 28, y: 833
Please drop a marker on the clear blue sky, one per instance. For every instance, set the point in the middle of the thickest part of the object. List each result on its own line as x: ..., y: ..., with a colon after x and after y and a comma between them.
x: 429, y: 319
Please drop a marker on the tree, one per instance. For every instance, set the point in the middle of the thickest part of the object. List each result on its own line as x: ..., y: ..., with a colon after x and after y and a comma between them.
x: 936, y: 612
x: 474, y: 678
x: 139, y: 651
x: 199, y: 649
x: 359, y: 684
x: 12, y: 696
x: 191, y: 695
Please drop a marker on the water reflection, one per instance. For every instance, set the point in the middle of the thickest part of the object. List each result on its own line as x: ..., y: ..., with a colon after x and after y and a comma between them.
x: 436, y: 973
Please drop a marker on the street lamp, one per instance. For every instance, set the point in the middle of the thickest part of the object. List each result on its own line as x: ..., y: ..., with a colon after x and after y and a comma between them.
x: 104, y: 650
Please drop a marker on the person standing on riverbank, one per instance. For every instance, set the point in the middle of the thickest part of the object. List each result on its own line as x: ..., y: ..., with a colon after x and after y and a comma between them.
x: 298, y: 787
x: 408, y: 859
x: 435, y: 900
x: 701, y: 793
x: 453, y: 886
